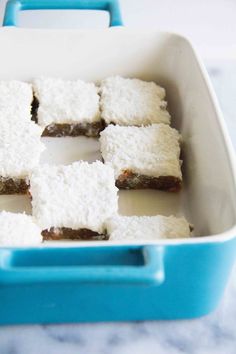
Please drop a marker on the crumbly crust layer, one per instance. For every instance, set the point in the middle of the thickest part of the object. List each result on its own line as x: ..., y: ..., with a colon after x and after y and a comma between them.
x: 91, y: 130
x: 130, y: 180
x: 70, y: 234
x: 13, y: 185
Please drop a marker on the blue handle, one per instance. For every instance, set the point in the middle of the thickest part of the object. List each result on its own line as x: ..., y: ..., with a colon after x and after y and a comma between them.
x: 122, y: 264
x: 14, y: 6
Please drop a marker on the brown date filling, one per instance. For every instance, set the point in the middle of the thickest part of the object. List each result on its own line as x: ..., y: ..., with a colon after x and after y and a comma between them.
x: 91, y: 130
x: 13, y: 185
x: 63, y: 233
x: 130, y: 180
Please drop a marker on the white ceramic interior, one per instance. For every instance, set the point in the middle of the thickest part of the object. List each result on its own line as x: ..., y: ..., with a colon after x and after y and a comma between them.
x: 209, y: 193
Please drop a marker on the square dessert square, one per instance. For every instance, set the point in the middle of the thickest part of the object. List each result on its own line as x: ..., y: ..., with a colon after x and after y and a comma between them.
x: 20, y: 150
x: 135, y: 102
x: 122, y: 228
x: 143, y: 157
x: 67, y: 108
x: 18, y: 230
x: 15, y: 100
x: 74, y: 201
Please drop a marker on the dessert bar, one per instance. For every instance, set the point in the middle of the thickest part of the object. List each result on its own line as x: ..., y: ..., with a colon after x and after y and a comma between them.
x: 145, y: 228
x: 132, y: 102
x: 15, y: 100
x: 74, y: 201
x: 18, y: 230
x: 20, y: 150
x: 143, y: 157
x: 66, y: 108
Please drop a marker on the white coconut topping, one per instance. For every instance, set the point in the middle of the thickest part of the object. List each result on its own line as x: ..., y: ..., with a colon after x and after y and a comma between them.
x: 132, y: 102
x: 63, y: 101
x: 15, y: 100
x: 18, y: 230
x: 152, y: 151
x: 122, y: 228
x: 77, y: 196
x: 20, y: 148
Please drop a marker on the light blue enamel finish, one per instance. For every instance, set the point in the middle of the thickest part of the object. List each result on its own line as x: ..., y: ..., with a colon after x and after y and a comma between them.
x: 115, y: 283
x: 14, y: 6
x: 142, y: 265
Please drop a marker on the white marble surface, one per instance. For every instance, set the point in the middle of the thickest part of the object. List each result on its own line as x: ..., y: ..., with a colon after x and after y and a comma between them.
x: 213, y: 334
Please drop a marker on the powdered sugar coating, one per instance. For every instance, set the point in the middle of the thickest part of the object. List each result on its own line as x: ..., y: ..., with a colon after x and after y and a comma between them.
x: 20, y: 147
x: 122, y: 228
x: 18, y: 230
x: 132, y: 102
x: 15, y: 100
x: 62, y: 101
x: 77, y: 196
x: 152, y: 151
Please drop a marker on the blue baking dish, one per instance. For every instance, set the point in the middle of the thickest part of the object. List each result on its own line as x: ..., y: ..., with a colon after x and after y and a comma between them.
x: 111, y: 281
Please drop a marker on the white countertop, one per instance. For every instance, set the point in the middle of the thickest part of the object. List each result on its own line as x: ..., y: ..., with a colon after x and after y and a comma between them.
x: 215, y: 333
